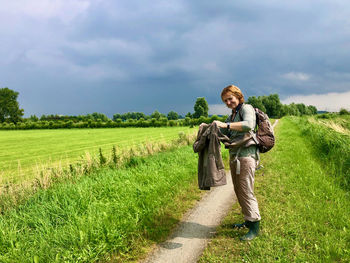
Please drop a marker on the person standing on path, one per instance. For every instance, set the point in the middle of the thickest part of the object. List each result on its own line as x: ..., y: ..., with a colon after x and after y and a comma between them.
x: 243, y: 161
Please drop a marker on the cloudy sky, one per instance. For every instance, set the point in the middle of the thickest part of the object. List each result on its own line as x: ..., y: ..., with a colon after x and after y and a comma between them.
x: 82, y: 56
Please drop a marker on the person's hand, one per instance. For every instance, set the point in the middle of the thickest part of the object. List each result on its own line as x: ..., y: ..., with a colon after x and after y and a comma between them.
x: 220, y: 124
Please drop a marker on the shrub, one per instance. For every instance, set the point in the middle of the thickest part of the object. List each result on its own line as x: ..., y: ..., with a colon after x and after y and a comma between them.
x: 344, y: 112
x: 172, y: 123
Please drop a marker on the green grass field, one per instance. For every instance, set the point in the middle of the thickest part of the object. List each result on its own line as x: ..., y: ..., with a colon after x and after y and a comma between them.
x: 110, y: 214
x: 118, y: 214
x: 23, y: 153
x: 303, y: 198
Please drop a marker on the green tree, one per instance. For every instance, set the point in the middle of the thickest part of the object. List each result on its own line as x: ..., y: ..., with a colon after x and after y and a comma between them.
x: 293, y: 110
x: 9, y: 107
x: 99, y: 116
x: 34, y: 118
x: 116, y: 117
x: 256, y: 102
x: 273, y: 105
x: 302, y: 108
x: 156, y: 115
x: 343, y: 111
x: 312, y: 109
x: 201, y: 108
x: 188, y: 115
x: 172, y: 115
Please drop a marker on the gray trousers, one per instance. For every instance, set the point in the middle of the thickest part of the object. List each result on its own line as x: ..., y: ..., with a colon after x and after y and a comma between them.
x: 243, y: 185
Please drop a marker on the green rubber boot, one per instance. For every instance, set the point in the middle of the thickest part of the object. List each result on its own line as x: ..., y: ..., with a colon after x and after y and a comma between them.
x: 239, y: 226
x: 253, y: 231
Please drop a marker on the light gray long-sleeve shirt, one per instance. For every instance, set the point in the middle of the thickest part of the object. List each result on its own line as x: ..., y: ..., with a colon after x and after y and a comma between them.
x: 248, y: 124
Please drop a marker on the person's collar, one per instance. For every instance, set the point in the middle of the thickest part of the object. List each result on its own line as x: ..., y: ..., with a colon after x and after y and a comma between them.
x: 237, y: 108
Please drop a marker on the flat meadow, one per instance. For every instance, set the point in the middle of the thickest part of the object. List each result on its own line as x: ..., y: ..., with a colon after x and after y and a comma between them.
x: 25, y: 153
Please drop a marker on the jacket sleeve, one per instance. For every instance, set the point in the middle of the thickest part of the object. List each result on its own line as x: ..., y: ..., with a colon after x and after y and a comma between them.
x: 200, y: 142
x: 249, y: 118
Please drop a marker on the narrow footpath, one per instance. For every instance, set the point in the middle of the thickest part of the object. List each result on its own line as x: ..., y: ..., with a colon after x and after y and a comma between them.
x: 189, y: 240
x: 199, y: 224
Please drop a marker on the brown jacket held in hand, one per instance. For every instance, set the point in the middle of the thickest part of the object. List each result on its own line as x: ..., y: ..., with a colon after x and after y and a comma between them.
x: 211, y: 170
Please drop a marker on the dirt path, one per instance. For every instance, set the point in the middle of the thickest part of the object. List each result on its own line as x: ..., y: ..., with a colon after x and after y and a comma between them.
x: 189, y: 240
x: 199, y: 224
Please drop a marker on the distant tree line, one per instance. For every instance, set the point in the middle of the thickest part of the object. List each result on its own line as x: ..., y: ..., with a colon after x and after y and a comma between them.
x: 273, y: 107
x: 11, y: 115
x: 172, y: 115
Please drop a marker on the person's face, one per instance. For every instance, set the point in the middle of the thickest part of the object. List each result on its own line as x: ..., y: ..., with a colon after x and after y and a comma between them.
x: 230, y: 100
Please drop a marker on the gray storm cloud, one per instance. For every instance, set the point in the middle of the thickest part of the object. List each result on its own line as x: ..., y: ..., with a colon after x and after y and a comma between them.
x: 78, y: 57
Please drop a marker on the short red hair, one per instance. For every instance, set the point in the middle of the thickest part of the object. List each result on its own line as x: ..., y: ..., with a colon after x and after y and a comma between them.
x: 235, y: 91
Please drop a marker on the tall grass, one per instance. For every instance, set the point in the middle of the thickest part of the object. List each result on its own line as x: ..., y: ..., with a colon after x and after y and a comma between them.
x: 333, y: 148
x: 109, y: 214
x: 341, y: 119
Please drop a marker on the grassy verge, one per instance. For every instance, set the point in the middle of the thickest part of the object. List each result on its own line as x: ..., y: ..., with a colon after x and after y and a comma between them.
x: 305, y: 212
x: 110, y: 214
x: 332, y: 146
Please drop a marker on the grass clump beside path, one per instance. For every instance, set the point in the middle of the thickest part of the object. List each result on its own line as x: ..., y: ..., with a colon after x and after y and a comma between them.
x: 305, y: 212
x: 108, y: 215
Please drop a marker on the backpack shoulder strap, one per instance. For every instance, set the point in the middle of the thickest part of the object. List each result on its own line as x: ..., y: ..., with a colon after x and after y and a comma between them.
x: 240, y: 112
